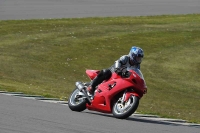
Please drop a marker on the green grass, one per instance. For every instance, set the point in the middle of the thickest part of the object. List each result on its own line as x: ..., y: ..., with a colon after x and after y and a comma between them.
x: 46, y: 57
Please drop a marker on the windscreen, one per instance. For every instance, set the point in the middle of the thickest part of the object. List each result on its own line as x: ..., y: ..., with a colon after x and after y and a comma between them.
x: 137, y: 71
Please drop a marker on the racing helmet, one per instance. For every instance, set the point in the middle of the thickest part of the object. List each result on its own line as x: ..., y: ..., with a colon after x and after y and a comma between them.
x: 136, y: 54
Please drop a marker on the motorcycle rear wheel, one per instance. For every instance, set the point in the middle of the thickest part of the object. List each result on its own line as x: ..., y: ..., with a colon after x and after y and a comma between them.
x: 124, y: 110
x: 76, y: 102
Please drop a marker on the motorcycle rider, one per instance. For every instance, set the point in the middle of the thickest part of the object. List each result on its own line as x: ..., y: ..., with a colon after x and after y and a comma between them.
x: 131, y: 61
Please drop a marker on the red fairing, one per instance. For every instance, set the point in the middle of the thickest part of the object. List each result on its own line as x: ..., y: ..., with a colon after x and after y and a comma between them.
x: 92, y: 73
x: 106, y: 92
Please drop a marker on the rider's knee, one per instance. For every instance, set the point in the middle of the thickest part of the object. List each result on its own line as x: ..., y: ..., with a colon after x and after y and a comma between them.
x: 107, y: 73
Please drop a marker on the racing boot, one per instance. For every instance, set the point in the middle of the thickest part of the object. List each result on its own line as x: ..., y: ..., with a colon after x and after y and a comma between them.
x: 90, y: 90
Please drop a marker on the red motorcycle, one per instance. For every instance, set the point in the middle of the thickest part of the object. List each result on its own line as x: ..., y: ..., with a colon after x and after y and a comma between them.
x: 119, y: 95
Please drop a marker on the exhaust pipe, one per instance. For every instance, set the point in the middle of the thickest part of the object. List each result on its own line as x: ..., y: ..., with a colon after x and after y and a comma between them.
x: 81, y: 87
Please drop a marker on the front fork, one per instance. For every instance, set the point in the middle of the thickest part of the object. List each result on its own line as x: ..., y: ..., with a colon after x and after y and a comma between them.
x: 124, y: 97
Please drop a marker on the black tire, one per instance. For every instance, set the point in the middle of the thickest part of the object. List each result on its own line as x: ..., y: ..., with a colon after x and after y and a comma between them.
x: 123, y: 111
x: 76, y: 102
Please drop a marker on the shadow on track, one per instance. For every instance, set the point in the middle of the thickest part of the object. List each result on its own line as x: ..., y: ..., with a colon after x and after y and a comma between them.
x: 142, y: 120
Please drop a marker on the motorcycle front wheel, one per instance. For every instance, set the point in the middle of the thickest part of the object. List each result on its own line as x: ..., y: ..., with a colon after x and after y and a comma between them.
x: 122, y: 110
x: 76, y: 101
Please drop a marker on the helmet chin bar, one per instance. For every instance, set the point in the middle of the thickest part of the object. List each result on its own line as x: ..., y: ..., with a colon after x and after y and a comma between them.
x: 138, y: 59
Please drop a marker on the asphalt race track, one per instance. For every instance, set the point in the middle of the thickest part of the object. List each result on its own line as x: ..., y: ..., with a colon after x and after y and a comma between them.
x: 34, y: 9
x: 25, y: 114
x: 32, y: 114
